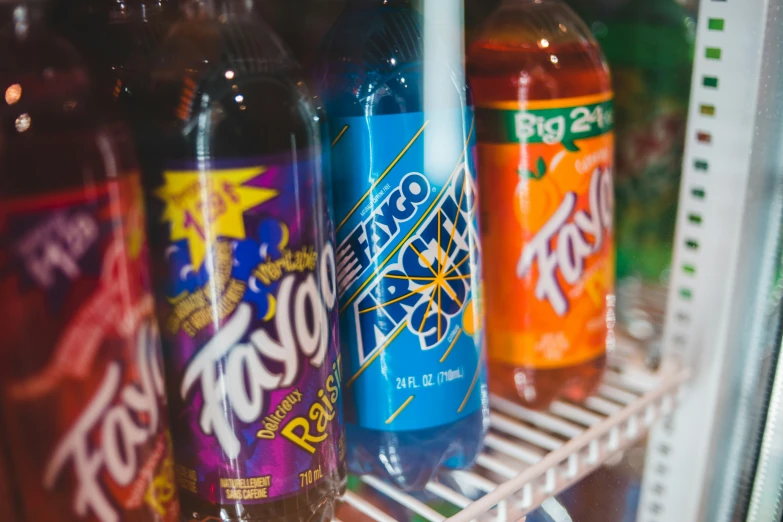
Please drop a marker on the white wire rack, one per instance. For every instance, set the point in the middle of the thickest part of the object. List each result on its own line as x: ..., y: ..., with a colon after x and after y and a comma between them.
x: 530, y: 456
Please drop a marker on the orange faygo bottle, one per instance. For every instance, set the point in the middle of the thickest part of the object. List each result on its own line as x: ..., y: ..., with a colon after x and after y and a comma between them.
x: 544, y: 126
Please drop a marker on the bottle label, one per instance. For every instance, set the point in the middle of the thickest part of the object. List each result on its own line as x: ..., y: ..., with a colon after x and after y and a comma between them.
x: 408, y: 269
x: 650, y: 127
x: 248, y: 323
x: 81, y: 377
x: 548, y: 229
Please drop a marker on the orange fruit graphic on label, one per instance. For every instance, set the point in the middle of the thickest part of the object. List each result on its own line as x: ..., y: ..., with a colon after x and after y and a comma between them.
x: 535, y: 201
x: 547, y: 227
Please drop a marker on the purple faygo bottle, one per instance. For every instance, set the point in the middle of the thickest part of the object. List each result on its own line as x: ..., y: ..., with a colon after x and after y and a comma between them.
x: 245, y: 266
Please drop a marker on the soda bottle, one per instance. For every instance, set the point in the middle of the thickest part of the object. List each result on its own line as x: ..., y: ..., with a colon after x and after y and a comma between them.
x: 244, y: 250
x: 408, y: 251
x: 119, y: 39
x: 544, y: 122
x: 649, y: 45
x: 82, y: 393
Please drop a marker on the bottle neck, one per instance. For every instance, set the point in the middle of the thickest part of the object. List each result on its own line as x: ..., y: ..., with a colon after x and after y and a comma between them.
x: 144, y: 9
x: 378, y: 3
x: 220, y: 9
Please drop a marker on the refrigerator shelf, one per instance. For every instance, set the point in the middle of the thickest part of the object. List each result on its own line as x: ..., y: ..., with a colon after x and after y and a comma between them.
x: 530, y: 456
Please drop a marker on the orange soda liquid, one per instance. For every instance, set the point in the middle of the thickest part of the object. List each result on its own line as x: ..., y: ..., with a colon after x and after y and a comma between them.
x: 545, y: 144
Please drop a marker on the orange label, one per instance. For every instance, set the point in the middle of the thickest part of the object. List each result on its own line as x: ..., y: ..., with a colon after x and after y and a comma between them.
x: 547, y: 215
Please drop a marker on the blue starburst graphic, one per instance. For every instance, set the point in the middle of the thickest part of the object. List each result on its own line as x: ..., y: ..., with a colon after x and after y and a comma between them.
x: 430, y: 283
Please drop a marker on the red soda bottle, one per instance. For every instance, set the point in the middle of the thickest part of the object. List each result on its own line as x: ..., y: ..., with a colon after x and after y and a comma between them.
x: 82, y: 402
x: 119, y: 40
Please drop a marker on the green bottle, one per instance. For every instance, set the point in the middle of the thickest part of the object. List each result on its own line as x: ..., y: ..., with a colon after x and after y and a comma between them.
x: 649, y: 45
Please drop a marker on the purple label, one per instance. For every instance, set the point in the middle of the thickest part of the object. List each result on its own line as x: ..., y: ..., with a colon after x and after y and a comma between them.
x: 249, y: 326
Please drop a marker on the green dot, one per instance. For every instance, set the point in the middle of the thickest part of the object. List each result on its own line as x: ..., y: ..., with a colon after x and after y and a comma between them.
x: 713, y: 53
x: 698, y: 193
x: 701, y: 165
x: 692, y: 244
x: 685, y: 293
x: 689, y: 269
x: 710, y: 81
x: 694, y: 218
x: 715, y: 24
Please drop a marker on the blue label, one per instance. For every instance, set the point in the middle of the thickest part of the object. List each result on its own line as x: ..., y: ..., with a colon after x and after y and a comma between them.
x: 408, y: 269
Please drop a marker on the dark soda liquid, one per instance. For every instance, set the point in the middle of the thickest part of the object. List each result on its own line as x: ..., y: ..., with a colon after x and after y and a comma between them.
x: 512, y: 61
x: 63, y: 156
x: 119, y: 40
x: 224, y: 90
x: 46, y: 79
x: 7, y: 507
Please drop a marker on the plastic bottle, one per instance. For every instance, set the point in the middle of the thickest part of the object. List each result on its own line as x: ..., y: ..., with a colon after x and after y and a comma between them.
x: 544, y: 120
x: 408, y: 252
x: 649, y: 45
x: 82, y: 394
x: 119, y: 39
x: 245, y: 258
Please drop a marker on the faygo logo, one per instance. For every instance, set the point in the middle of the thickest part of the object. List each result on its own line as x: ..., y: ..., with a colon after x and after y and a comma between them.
x: 430, y: 282
x: 365, y: 243
x: 560, y: 250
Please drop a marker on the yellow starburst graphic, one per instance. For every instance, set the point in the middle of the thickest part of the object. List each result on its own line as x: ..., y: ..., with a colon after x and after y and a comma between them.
x: 204, y: 205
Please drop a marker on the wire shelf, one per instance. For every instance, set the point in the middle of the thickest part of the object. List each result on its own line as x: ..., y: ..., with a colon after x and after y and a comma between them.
x: 530, y: 456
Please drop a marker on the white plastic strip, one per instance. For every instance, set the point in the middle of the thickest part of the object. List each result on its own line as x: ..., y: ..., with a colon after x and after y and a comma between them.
x: 365, y: 507
x: 633, y: 381
x: 616, y: 394
x: 505, y: 424
x: 602, y: 406
x: 448, y: 494
x: 575, y: 413
x: 492, y: 464
x: 512, y: 449
x: 470, y: 479
x: 558, y: 513
x: 542, y: 420
x: 403, y: 498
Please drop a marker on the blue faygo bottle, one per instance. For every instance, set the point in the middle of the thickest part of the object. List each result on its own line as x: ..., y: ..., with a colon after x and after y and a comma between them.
x: 408, y: 250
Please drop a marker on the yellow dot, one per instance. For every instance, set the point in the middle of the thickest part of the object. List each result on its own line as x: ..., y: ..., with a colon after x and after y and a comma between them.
x: 470, y: 323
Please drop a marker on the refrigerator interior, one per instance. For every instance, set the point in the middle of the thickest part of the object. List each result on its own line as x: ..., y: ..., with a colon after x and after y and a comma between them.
x: 689, y: 431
